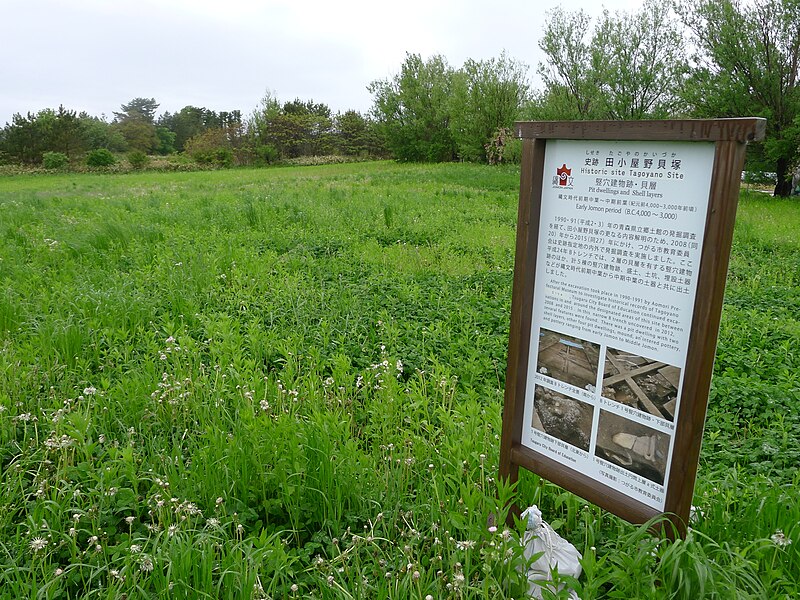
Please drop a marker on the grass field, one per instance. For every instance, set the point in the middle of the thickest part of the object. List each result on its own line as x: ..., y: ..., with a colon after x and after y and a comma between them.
x: 288, y: 383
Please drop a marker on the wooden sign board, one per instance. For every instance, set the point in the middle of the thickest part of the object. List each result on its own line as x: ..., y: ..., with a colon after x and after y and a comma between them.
x: 623, y: 237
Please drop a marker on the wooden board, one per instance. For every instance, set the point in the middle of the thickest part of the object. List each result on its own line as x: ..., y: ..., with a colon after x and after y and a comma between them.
x: 730, y: 137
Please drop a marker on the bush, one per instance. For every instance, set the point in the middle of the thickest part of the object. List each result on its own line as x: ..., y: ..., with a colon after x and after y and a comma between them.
x: 503, y: 147
x: 54, y: 160
x: 101, y: 157
x: 512, y: 154
x: 210, y: 147
x: 223, y: 157
x: 138, y: 159
x: 266, y: 154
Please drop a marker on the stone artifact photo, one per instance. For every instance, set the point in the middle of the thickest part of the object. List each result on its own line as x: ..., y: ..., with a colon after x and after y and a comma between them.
x: 644, y: 384
x: 632, y: 446
x: 562, y: 417
x: 568, y: 359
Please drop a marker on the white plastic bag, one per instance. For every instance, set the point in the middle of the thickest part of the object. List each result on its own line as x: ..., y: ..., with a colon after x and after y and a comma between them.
x: 556, y: 553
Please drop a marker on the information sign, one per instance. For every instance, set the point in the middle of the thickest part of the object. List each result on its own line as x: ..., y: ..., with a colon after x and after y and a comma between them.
x: 622, y: 246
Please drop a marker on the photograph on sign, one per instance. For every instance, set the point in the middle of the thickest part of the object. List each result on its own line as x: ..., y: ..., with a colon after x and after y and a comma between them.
x: 636, y: 381
x: 562, y: 417
x: 633, y: 446
x: 568, y: 359
x: 620, y: 235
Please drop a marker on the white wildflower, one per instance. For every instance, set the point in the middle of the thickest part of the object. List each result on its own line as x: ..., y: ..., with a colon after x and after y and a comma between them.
x: 146, y: 564
x: 458, y: 579
x: 38, y: 543
x: 779, y: 539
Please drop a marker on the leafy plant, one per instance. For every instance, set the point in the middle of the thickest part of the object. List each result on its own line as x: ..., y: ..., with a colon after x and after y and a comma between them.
x: 138, y: 159
x: 101, y: 157
x: 54, y: 160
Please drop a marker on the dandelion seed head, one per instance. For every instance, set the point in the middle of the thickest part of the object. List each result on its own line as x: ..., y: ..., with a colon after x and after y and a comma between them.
x: 779, y: 539
x: 146, y: 564
x: 38, y: 543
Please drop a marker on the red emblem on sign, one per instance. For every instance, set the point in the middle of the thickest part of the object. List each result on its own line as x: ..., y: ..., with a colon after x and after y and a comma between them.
x: 563, y: 174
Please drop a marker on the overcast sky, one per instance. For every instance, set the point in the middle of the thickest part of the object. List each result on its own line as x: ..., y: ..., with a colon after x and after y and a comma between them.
x: 94, y: 55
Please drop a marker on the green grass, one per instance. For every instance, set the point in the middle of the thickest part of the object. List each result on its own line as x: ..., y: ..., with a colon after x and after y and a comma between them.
x: 288, y: 383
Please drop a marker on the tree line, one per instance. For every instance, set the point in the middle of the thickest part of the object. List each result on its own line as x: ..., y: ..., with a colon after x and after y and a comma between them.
x: 274, y: 131
x: 703, y: 59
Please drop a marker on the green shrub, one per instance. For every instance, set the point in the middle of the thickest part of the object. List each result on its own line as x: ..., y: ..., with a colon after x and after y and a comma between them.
x: 210, y: 147
x: 54, y: 160
x: 223, y: 157
x: 101, y: 157
x: 138, y: 159
x: 266, y: 154
x: 503, y: 147
x: 512, y: 154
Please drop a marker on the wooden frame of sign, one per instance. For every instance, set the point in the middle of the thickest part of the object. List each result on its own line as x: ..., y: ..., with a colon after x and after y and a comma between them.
x: 623, y: 238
